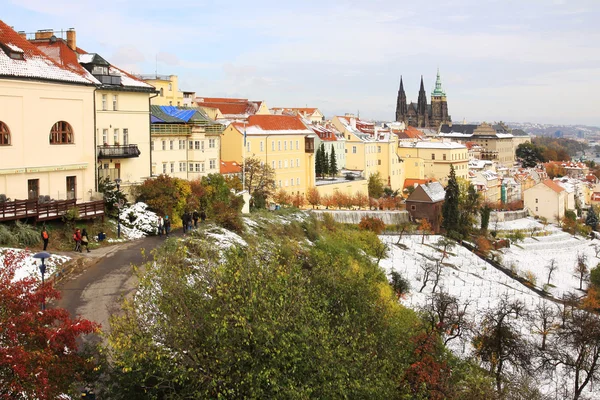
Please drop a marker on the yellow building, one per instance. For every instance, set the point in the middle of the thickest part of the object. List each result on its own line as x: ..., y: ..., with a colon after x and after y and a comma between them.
x: 370, y: 149
x: 312, y: 114
x: 280, y: 141
x: 225, y: 108
x: 185, y: 142
x: 168, y: 90
x: 46, y: 124
x: 122, y: 104
x: 432, y: 160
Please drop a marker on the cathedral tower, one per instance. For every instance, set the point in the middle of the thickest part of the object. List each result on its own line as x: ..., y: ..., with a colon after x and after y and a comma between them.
x: 401, y: 107
x: 439, y: 104
x: 422, y: 109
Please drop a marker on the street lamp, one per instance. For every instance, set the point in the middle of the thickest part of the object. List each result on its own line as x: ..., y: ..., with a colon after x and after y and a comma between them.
x: 42, y: 255
x: 118, y: 183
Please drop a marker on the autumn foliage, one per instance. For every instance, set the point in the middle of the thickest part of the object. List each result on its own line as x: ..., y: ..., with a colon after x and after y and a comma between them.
x: 372, y: 224
x: 38, y: 349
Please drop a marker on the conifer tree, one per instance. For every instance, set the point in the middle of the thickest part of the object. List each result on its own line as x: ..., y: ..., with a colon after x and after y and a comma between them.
x: 318, y: 163
x: 450, y: 212
x: 592, y: 218
x: 324, y: 160
x: 333, y: 169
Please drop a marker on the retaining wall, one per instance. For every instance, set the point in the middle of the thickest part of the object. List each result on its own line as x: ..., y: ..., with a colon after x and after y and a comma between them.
x: 354, y: 216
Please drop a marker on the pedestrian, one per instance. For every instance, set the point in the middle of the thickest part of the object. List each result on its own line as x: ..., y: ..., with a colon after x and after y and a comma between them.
x: 161, y: 225
x: 195, y: 216
x: 167, y: 225
x: 84, y: 240
x: 45, y: 237
x: 77, y: 239
x: 184, y: 220
x: 202, y: 216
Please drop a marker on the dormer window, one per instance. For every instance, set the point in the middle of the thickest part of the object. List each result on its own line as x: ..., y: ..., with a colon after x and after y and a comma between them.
x: 99, y: 70
x: 15, y: 56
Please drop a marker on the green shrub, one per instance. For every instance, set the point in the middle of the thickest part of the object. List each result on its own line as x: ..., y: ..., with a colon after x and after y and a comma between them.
x: 7, y: 238
x: 25, y: 234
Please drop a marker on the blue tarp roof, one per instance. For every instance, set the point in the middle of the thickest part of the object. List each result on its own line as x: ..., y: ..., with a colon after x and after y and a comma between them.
x: 154, y: 120
x: 182, y: 114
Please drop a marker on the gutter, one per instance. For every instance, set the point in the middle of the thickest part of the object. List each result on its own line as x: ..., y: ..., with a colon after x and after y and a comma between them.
x: 95, y: 144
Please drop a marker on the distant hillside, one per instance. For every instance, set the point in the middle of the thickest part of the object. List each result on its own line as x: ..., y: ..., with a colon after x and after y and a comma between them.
x: 581, y: 131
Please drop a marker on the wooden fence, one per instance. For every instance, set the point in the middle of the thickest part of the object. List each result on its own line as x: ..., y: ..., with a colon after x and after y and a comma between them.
x: 22, y: 209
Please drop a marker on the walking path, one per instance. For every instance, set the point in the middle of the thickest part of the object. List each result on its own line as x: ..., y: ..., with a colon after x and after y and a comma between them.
x: 94, y: 293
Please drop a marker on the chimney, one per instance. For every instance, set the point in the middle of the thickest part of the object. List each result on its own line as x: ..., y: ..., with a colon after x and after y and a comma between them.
x: 22, y: 34
x: 71, y: 40
x: 44, y: 34
x: 353, y: 122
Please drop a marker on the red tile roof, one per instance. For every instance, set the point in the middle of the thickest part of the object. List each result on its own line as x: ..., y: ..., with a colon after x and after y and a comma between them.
x: 220, y: 100
x: 230, y: 167
x: 410, y: 133
x: 258, y: 123
x: 595, y: 196
x: 230, y: 106
x: 35, y: 63
x: 554, y: 186
x: 416, y: 182
x: 327, y: 133
x: 62, y: 55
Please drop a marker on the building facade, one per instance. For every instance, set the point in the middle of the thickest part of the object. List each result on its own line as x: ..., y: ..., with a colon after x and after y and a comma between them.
x: 435, y: 159
x: 421, y: 114
x: 546, y: 199
x: 167, y: 86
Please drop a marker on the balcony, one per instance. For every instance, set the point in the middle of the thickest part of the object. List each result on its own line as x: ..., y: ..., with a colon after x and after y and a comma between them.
x: 309, y: 145
x: 170, y: 129
x: 117, y: 151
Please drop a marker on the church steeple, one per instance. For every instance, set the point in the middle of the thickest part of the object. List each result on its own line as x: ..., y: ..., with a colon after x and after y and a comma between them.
x: 401, y: 107
x: 438, y: 91
x: 422, y: 101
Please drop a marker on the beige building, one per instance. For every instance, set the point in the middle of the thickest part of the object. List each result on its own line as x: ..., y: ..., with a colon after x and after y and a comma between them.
x: 312, y: 114
x: 280, y: 141
x: 333, y: 140
x: 498, y: 144
x: 224, y: 108
x: 546, y: 199
x: 488, y: 184
x: 167, y: 86
x: 46, y: 124
x: 185, y: 142
x: 432, y: 160
x: 122, y: 104
x: 371, y: 149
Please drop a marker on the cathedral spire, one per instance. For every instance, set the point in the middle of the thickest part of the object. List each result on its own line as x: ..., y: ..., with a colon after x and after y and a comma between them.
x: 401, y: 107
x: 438, y: 91
x: 422, y: 101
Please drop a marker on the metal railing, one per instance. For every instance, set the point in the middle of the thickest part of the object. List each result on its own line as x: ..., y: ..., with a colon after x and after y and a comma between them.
x: 170, y: 129
x: 118, y: 151
x: 19, y: 209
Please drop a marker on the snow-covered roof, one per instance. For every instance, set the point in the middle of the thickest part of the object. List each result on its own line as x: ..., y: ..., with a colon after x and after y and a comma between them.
x: 32, y: 62
x: 85, y: 58
x: 435, y: 191
x: 433, y: 145
x: 273, y: 124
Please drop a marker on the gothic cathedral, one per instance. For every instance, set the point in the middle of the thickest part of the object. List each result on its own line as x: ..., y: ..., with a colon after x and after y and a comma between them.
x: 421, y: 114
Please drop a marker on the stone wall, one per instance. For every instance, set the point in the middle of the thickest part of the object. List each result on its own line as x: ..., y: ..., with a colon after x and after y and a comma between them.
x: 354, y: 217
x: 502, y: 216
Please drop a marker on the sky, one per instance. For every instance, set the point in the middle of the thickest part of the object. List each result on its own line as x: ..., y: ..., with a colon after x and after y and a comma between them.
x: 511, y: 60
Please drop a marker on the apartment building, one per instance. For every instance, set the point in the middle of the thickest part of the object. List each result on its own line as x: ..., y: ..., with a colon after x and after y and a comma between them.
x: 280, y: 141
x: 432, y: 160
x: 312, y: 114
x: 333, y: 140
x: 224, y: 108
x: 168, y: 90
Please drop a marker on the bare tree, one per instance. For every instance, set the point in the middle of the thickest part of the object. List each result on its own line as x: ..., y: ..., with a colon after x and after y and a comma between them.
x: 544, y: 221
x: 445, y: 244
x: 581, y: 268
x: 498, y: 343
x: 551, y: 268
x: 260, y: 177
x: 576, y: 346
x: 428, y: 272
x: 404, y: 227
x: 437, y: 275
x: 446, y: 316
x: 544, y: 321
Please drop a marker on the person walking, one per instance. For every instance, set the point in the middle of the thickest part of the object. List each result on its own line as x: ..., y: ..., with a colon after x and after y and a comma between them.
x: 77, y: 239
x: 167, y: 225
x: 84, y: 240
x: 161, y: 225
x: 184, y: 221
x: 195, y: 217
x: 45, y: 237
x: 202, y: 216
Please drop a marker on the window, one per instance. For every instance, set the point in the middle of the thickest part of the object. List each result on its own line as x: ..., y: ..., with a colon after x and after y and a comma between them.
x: 191, y: 144
x: 297, y: 162
x: 61, y: 133
x: 284, y: 145
x: 172, y: 167
x: 152, y: 145
x: 444, y: 157
x: 291, y: 145
x: 162, y: 92
x: 104, y: 101
x: 171, y: 145
x: 170, y: 87
x: 126, y: 136
x: 181, y: 167
x: 116, y: 136
x: 273, y: 164
x: 248, y: 147
x: 279, y: 145
x: 164, y: 168
x: 181, y: 144
x: 297, y: 145
x: 212, y: 143
x: 212, y: 164
x: 378, y: 162
x: 379, y: 149
x: 433, y: 156
x: 292, y: 182
x: 197, y: 145
x: 262, y: 147
x: 273, y: 146
x: 413, y: 207
x: 536, y: 209
x: 202, y: 145
x: 4, y: 135
x: 164, y: 145
x: 201, y: 167
x: 353, y: 149
x: 536, y: 201
x: 114, y: 102
x: 170, y: 103
x: 191, y: 167
x: 279, y: 164
x: 298, y: 181
x: 105, y: 136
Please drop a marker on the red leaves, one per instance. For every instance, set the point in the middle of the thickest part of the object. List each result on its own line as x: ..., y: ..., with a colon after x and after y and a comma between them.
x: 38, y: 349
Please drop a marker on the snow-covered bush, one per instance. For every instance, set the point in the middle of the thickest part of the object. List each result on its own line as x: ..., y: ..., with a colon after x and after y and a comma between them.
x: 137, y: 221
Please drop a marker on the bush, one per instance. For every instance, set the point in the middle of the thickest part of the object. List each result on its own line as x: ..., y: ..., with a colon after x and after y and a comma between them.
x: 372, y: 224
x: 228, y: 217
x: 530, y: 277
x: 71, y: 216
x: 7, y: 238
x: 26, y: 235
x: 400, y: 284
x: 349, y: 177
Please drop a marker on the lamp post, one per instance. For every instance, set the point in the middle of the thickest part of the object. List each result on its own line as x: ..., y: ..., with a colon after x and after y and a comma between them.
x: 42, y: 255
x: 118, y: 183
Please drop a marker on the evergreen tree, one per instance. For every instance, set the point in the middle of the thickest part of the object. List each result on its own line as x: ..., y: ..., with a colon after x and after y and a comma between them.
x: 333, y: 169
x: 450, y: 212
x: 324, y: 160
x: 592, y: 218
x: 318, y: 163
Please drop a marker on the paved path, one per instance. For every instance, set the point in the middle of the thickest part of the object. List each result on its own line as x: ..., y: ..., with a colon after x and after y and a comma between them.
x: 94, y: 293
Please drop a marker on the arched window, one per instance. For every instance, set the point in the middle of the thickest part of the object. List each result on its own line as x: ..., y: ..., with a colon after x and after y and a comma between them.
x: 61, y: 133
x: 4, y: 135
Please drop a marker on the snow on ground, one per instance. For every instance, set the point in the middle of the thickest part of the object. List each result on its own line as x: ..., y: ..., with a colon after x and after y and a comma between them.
x: 517, y: 224
x: 224, y: 239
x: 30, y: 266
x: 137, y: 221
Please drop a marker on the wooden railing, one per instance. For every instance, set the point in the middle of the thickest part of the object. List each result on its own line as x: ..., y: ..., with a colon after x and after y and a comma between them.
x: 21, y: 209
